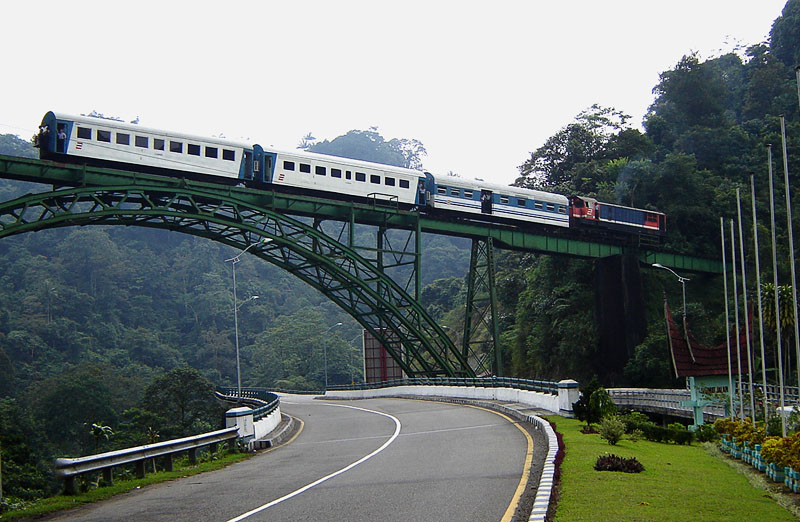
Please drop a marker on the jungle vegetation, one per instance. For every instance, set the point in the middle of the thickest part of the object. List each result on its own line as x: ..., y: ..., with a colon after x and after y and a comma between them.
x: 103, y: 325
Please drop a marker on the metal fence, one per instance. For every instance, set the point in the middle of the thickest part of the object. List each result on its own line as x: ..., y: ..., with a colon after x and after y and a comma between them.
x: 262, y: 402
x: 479, y: 382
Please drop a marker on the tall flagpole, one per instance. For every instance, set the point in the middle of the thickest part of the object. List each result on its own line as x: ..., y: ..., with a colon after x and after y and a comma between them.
x: 775, y: 284
x: 758, y: 287
x: 746, y: 314
x: 727, y: 316
x: 736, y: 316
x: 791, y: 247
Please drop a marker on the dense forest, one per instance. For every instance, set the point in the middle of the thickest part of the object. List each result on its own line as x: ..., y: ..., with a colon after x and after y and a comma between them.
x: 111, y: 325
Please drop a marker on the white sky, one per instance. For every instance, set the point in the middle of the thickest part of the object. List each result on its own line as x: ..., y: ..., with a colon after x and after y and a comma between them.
x: 481, y: 84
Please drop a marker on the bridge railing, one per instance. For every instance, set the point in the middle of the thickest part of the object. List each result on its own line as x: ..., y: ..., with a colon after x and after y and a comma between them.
x: 70, y: 468
x: 479, y: 382
x: 262, y: 402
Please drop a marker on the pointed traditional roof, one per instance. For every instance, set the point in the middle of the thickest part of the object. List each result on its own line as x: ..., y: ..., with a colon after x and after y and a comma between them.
x: 692, y: 359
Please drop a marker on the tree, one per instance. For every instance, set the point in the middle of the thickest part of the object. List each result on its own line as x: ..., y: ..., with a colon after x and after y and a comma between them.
x: 370, y: 146
x: 186, y: 400
x: 785, y: 34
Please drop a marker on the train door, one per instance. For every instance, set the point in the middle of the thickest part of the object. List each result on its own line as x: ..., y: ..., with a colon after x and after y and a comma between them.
x: 486, y: 201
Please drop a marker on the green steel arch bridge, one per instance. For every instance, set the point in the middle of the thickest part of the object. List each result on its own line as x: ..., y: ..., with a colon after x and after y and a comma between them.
x: 314, y: 239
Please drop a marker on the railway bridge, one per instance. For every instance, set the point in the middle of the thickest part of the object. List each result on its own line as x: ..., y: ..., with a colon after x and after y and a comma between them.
x: 314, y: 238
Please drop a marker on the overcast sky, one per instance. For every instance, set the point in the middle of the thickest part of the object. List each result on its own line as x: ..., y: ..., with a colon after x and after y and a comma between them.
x: 481, y: 84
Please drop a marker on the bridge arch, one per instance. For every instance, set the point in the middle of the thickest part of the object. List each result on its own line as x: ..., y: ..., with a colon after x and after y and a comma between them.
x: 338, y: 271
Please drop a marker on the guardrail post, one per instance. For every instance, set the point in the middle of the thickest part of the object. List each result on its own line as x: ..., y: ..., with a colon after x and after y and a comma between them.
x: 69, y: 485
x: 108, y: 476
x: 568, y: 395
x: 168, y: 462
x: 139, y: 467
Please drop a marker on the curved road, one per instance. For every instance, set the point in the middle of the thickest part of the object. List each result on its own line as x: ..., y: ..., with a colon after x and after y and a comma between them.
x: 378, y: 459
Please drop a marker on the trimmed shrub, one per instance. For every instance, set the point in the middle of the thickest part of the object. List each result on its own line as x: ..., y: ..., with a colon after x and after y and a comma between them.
x: 615, y: 463
x: 612, y: 429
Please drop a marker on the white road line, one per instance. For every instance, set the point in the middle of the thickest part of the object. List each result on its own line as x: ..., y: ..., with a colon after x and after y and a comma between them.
x: 334, y: 474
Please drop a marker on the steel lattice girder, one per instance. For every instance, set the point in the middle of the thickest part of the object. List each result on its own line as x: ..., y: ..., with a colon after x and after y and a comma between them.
x: 480, y: 317
x: 377, y: 302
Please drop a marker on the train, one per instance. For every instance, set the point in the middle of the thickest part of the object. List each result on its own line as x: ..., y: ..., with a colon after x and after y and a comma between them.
x: 117, y: 144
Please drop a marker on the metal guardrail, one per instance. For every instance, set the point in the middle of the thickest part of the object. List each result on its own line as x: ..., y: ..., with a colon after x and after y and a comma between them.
x: 69, y: 468
x: 485, y: 382
x: 261, y: 401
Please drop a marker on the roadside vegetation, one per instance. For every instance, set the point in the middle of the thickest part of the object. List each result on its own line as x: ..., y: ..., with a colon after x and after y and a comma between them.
x: 679, y: 482
x: 182, y: 468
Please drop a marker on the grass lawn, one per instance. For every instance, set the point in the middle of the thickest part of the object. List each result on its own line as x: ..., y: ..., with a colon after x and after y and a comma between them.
x: 680, y: 483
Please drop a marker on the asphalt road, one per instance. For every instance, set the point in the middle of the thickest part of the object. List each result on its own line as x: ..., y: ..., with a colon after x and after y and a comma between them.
x: 379, y: 459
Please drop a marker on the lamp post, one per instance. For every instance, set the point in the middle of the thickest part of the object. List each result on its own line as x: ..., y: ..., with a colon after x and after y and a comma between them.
x: 234, y: 260
x: 325, y: 352
x: 682, y: 281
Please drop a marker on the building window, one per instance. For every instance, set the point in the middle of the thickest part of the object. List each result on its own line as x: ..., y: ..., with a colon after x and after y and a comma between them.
x: 193, y: 149
x: 104, y: 136
x: 336, y: 173
x: 141, y: 141
x: 211, y: 152
x: 175, y: 146
x: 360, y: 176
x: 228, y: 155
x: 158, y: 144
x: 404, y: 183
x: 305, y: 167
x: 319, y: 171
x: 84, y: 133
x: 288, y: 165
x: 123, y: 139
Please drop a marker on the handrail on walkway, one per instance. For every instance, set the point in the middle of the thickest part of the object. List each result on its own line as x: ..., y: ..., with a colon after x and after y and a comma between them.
x: 69, y: 468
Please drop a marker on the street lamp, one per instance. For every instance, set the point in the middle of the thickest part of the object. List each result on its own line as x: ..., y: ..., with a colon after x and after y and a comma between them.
x: 682, y: 281
x: 325, y: 352
x: 234, y: 260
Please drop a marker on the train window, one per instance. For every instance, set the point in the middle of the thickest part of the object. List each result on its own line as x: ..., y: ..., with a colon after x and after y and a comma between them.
x: 84, y: 133
x: 123, y: 139
x: 404, y: 183
x: 175, y: 146
x: 551, y: 207
x: 305, y: 167
x: 468, y: 194
x: 141, y: 141
x: 320, y: 171
x: 360, y: 176
x: 104, y: 136
x: 374, y: 178
x: 158, y: 144
x: 336, y: 173
x: 228, y: 155
x: 537, y: 205
x: 562, y: 209
x: 288, y: 165
x: 348, y: 175
x: 441, y: 190
x: 211, y: 152
x: 455, y: 192
x: 504, y: 200
x: 193, y: 149
x: 389, y: 182
x: 521, y: 202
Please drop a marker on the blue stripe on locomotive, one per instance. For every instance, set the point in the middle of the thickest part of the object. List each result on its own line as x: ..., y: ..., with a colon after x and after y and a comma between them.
x: 621, y: 214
